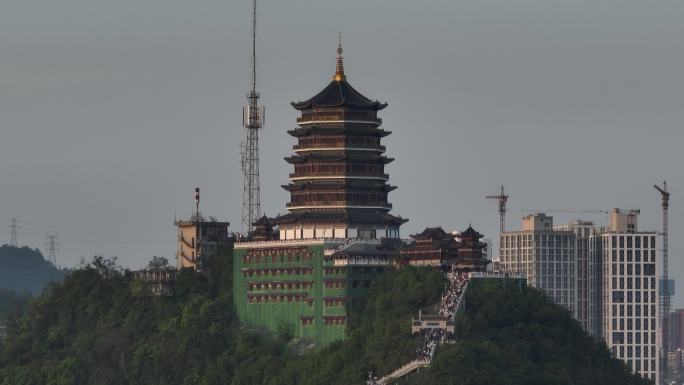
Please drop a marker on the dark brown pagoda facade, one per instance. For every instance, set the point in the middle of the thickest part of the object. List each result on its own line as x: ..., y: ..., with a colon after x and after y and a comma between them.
x: 339, y: 186
x: 471, y: 251
x: 433, y: 247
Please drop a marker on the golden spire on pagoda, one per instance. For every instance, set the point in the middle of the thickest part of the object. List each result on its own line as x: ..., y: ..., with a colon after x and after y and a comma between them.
x: 339, y: 68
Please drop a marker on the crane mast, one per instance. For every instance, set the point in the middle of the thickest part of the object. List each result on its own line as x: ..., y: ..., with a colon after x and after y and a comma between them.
x: 665, y: 296
x: 503, y: 200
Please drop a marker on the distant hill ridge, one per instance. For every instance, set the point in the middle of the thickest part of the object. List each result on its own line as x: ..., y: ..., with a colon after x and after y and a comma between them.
x: 25, y: 269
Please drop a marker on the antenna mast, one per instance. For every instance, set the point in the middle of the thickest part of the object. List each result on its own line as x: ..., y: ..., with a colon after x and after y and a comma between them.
x: 197, y: 216
x: 665, y: 295
x: 253, y: 120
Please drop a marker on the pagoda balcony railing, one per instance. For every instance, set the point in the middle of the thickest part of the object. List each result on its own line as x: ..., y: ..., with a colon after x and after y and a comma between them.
x: 339, y: 203
x: 341, y: 145
x: 331, y: 174
x: 360, y: 117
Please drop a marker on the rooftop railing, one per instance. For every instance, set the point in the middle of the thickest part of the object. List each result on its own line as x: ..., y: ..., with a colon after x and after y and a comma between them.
x: 341, y: 203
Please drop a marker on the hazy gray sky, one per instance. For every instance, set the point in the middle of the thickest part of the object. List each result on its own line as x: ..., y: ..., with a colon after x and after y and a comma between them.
x: 112, y: 111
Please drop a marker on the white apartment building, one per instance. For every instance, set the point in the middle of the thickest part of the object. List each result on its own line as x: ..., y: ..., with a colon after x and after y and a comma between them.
x: 630, y: 309
x: 588, y: 262
x: 546, y: 257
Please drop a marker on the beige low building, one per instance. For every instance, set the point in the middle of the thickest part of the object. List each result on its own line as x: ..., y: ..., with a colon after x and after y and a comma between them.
x: 198, y: 238
x: 154, y: 282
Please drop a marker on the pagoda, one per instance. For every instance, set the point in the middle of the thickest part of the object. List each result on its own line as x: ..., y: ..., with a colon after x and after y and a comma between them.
x: 463, y: 251
x: 339, y: 186
x: 433, y: 247
x: 338, y: 235
x: 471, y: 251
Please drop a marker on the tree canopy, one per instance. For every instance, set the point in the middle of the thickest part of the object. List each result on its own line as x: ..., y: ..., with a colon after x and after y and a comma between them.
x: 91, y: 328
x: 24, y: 269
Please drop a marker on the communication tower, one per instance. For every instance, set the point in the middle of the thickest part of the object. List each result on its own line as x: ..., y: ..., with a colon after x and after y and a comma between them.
x: 253, y: 121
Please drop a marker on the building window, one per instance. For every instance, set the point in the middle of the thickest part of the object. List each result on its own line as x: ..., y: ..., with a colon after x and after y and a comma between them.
x: 618, y: 338
x: 618, y: 296
x: 649, y: 269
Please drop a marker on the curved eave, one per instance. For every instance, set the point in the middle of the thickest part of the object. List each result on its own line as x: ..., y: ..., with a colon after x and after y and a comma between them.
x: 339, y: 216
x: 308, y: 130
x: 339, y: 94
x: 376, y: 105
x: 301, y: 158
x: 335, y: 186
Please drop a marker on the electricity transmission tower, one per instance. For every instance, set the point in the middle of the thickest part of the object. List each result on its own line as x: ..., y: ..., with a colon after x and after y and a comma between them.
x: 253, y: 120
x: 14, y: 229
x: 51, y: 246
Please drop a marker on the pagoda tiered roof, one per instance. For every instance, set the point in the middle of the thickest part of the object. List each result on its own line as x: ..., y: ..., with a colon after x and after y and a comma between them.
x: 432, y: 233
x: 339, y: 93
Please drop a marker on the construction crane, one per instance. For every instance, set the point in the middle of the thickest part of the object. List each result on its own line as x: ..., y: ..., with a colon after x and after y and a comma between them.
x: 665, y: 294
x: 503, y: 199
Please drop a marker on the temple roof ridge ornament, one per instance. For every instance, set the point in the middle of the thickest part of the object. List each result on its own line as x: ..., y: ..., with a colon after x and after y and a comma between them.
x: 339, y: 92
x: 339, y: 68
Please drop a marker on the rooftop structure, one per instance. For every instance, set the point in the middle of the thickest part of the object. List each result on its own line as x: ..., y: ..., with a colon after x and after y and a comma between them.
x: 154, y: 282
x: 622, y: 221
x: 463, y: 251
x: 199, y: 237
x: 433, y: 247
